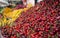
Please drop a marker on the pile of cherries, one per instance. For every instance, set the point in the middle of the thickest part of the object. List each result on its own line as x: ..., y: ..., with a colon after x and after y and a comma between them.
x: 40, y: 21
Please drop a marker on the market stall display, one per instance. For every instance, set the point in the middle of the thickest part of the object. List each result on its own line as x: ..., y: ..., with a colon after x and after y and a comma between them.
x: 40, y: 21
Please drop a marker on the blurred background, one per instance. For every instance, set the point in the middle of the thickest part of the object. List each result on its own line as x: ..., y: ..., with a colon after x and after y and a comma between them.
x: 13, y: 2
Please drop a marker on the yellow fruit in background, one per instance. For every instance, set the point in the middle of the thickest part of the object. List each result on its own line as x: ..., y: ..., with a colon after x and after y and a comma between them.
x: 4, y: 20
x: 11, y: 15
x: 6, y: 10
